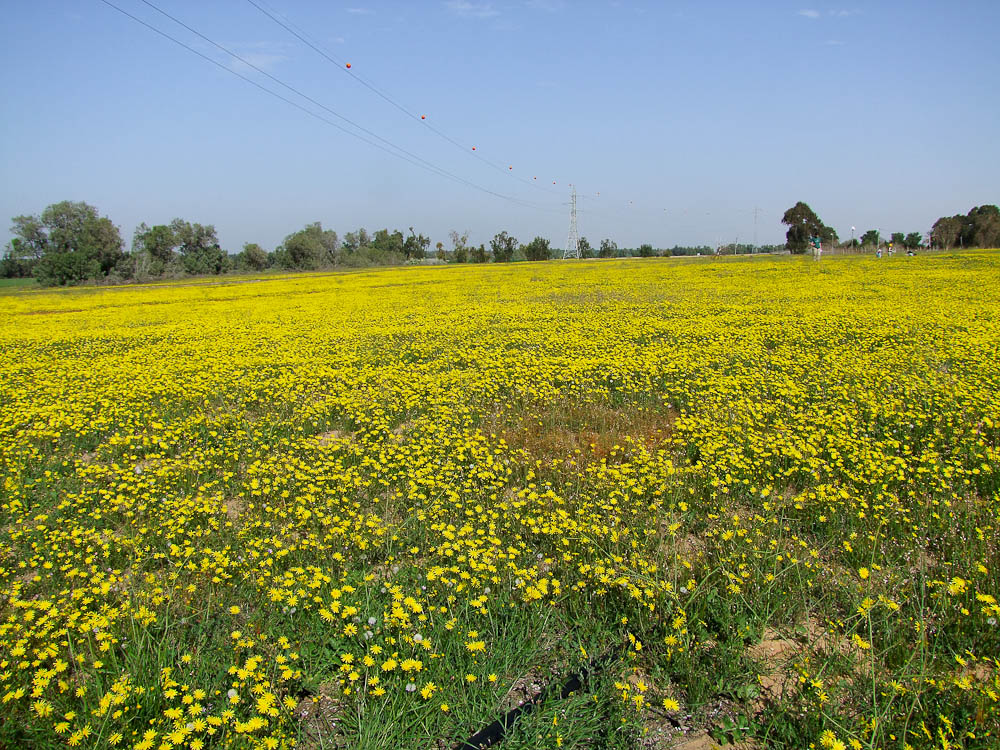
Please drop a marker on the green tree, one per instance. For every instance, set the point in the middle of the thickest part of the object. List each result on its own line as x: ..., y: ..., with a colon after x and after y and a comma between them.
x: 459, y: 246
x: 947, y: 231
x: 199, y: 248
x: 30, y: 237
x: 415, y: 246
x: 387, y: 242
x: 897, y: 239
x: 609, y: 249
x: 503, y: 247
x: 586, y: 251
x: 979, y: 228
x: 913, y: 240
x: 153, y: 249
x: 984, y: 222
x: 253, y: 257
x: 309, y: 248
x: 68, y: 243
x: 803, y: 224
x: 15, y: 265
x: 479, y: 254
x: 537, y: 249
x: 646, y: 250
x: 869, y: 238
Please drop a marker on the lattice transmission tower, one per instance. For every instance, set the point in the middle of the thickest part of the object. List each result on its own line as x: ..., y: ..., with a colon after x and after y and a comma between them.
x: 573, y: 240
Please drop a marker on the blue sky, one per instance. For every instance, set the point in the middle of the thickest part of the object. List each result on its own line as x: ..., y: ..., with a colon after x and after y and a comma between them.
x: 673, y: 119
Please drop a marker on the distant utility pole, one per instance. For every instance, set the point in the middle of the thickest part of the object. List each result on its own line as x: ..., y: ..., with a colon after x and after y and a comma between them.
x: 756, y: 211
x: 573, y: 240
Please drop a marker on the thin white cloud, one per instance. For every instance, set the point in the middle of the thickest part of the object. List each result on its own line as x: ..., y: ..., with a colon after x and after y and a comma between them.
x: 264, y: 55
x: 834, y: 43
x: 809, y: 13
x: 844, y: 13
x: 360, y: 11
x: 548, y: 5
x: 465, y: 9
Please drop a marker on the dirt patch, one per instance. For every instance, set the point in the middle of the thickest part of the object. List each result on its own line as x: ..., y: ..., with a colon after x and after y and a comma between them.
x: 524, y: 689
x: 581, y: 432
x: 328, y: 438
x: 699, y: 741
x: 234, y: 508
x: 681, y: 547
x: 148, y: 463
x: 773, y: 648
x: 776, y: 653
x: 403, y: 428
x: 318, y: 715
x: 703, y: 741
x: 51, y: 312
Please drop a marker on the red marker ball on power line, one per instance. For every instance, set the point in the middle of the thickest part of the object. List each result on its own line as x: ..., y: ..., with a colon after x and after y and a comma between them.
x: 510, y: 167
x: 473, y: 148
x: 348, y: 65
x: 423, y: 117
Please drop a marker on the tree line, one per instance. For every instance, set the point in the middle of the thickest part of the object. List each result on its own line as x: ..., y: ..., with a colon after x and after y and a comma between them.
x: 70, y: 243
x: 979, y: 228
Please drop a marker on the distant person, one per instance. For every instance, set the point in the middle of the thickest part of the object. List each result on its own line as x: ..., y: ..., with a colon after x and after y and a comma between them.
x: 878, y: 253
x: 817, y: 246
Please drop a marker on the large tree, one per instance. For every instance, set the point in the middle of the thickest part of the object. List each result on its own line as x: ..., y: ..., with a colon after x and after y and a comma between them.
x: 388, y: 242
x: 979, y: 228
x: 537, y: 249
x: 459, y: 246
x: 199, y: 248
x: 69, y: 243
x: 947, y: 231
x: 354, y: 241
x: 153, y: 249
x: 870, y: 238
x: 985, y: 226
x: 253, y: 257
x: 586, y: 250
x: 309, y: 248
x: 803, y: 224
x: 479, y: 254
x: 609, y: 249
x: 415, y: 246
x: 503, y: 247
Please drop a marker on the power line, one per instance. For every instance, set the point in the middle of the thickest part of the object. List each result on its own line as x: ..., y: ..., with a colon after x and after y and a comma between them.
x: 342, y: 66
x: 308, y: 98
x: 398, y: 151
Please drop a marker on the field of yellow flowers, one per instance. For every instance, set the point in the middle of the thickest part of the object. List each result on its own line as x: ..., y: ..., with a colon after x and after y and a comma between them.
x: 752, y: 500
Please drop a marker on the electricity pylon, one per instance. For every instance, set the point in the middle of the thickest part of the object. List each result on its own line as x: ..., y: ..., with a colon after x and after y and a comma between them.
x: 573, y: 241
